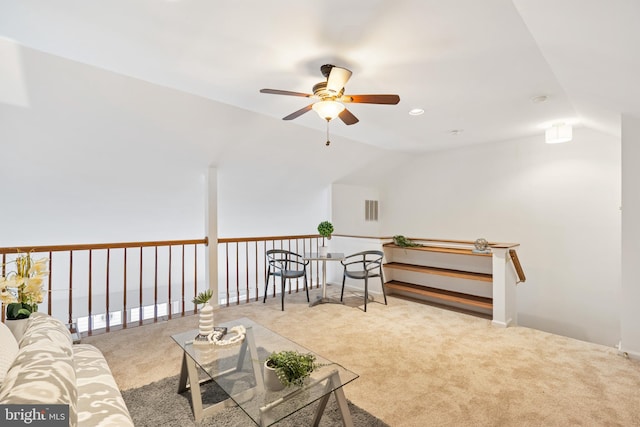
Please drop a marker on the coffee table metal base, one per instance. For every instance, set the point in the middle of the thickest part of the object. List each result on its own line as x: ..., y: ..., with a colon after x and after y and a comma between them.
x: 189, y: 371
x: 334, y: 384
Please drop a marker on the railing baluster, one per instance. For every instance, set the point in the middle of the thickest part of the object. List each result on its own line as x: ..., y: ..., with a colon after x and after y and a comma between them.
x: 140, y: 293
x: 256, y: 269
x: 155, y: 286
x: 237, y: 273
x: 90, y: 293
x: 246, y: 268
x: 227, y: 262
x: 169, y: 307
x: 108, y: 314
x: 318, y: 266
x: 49, y: 286
x: 195, y: 276
x: 124, y: 297
x: 70, y: 287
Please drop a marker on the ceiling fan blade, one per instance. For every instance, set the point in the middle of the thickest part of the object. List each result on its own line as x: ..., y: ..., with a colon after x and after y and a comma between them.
x: 338, y: 77
x: 371, y: 99
x: 348, y: 118
x: 285, y: 92
x: 298, y: 113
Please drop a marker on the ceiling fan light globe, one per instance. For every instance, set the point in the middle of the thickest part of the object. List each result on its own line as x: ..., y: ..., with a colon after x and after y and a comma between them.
x: 328, y: 110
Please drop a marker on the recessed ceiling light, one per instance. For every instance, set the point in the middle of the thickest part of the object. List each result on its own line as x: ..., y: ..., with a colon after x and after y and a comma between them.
x: 539, y: 99
x: 416, y: 111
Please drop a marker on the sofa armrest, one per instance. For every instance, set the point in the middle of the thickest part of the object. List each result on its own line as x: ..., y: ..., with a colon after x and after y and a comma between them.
x: 43, y: 371
x: 99, y: 400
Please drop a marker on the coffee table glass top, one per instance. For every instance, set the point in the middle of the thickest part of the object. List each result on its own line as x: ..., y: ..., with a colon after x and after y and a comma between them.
x: 232, y: 368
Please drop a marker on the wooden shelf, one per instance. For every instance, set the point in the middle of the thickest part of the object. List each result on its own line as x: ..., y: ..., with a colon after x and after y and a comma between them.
x: 440, y: 294
x: 456, y: 251
x: 440, y: 271
x: 448, y: 272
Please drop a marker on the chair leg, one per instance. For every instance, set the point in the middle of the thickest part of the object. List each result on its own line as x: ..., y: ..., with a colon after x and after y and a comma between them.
x: 306, y: 288
x: 366, y: 292
x: 344, y: 278
x: 266, y: 286
x: 282, y: 293
x: 383, y: 292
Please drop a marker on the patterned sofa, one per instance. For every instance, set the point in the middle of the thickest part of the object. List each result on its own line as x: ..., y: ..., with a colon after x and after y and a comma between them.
x: 47, y: 368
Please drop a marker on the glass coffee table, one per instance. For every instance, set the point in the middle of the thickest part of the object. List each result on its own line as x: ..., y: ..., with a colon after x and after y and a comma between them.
x: 237, y: 370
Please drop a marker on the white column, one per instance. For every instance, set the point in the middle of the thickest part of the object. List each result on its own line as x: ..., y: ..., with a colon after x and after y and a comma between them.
x: 629, y: 313
x: 504, y: 290
x: 211, y: 230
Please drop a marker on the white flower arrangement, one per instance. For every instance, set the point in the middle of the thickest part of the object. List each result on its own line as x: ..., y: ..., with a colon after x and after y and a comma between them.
x: 21, y: 289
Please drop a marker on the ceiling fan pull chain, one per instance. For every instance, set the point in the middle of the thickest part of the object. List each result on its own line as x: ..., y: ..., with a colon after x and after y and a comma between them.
x: 328, y: 142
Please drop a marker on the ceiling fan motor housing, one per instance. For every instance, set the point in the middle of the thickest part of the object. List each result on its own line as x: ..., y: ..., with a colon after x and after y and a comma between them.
x: 320, y: 90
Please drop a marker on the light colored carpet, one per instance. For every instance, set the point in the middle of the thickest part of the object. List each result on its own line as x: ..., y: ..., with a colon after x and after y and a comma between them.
x: 421, y: 365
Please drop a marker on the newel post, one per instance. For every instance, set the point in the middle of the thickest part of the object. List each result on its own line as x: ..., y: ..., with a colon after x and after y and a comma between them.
x: 505, y: 310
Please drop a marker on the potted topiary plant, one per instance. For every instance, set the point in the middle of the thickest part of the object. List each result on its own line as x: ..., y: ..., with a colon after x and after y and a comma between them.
x: 288, y: 367
x: 325, y: 229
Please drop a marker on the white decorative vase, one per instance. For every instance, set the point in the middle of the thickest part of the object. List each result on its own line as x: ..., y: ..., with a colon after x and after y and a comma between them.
x: 205, y: 325
x: 271, y: 380
x: 323, y: 251
x: 17, y: 327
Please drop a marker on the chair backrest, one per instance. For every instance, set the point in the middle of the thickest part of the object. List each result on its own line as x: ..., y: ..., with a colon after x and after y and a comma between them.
x: 282, y: 259
x: 365, y: 260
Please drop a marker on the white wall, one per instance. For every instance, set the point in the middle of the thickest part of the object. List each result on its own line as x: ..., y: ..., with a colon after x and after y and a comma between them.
x: 97, y: 157
x: 560, y: 202
x: 630, y: 313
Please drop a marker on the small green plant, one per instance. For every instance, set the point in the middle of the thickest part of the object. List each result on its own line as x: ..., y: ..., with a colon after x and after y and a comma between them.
x: 203, y: 297
x: 292, y: 367
x: 325, y: 228
x: 403, y: 242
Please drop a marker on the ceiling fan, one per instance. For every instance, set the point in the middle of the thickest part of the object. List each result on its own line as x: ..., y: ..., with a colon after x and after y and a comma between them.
x: 330, y: 94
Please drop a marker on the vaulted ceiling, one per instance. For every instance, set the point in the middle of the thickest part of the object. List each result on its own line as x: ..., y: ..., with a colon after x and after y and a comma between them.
x: 475, y: 67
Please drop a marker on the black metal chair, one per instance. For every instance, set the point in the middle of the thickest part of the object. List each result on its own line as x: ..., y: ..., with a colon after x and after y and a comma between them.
x: 364, y: 266
x: 286, y: 265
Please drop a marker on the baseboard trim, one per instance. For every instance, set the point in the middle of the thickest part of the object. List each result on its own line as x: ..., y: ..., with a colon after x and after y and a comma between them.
x: 628, y: 353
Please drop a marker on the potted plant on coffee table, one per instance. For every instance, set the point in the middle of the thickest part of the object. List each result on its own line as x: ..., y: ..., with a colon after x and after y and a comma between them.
x: 205, y: 323
x: 288, y: 367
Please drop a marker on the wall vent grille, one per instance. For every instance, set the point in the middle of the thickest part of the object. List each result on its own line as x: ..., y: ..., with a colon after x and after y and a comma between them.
x: 371, y: 210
